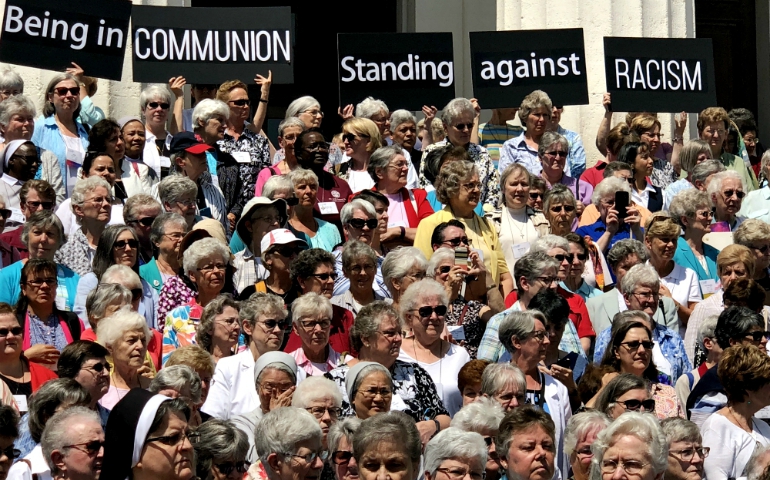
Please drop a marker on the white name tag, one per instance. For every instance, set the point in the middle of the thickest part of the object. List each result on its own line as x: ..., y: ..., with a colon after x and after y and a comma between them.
x: 520, y: 249
x: 457, y: 331
x: 328, y: 208
x: 17, y: 216
x: 241, y: 157
x: 708, y: 287
x: 21, y: 402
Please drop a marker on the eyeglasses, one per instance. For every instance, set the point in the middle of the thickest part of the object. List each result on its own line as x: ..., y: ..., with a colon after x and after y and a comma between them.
x: 535, y: 195
x: 548, y: 280
x: 38, y: 282
x: 272, y: 323
x: 146, y: 221
x: 63, y: 91
x: 634, y: 405
x: 102, y: 200
x: 319, y: 412
x: 5, y: 213
x: 309, y: 457
x: 89, y: 448
x: 557, y: 153
x: 121, y: 244
x: 539, y: 335
x: 635, y: 344
x: 461, y: 127
x: 342, y: 457
x: 359, y: 223
x: 559, y: 208
x: 174, y: 236
x: 456, y: 242
x: 291, y: 201
x: 456, y: 473
x: 268, y: 387
x: 28, y: 158
x: 373, y: 392
x: 357, y: 269
x: 12, y: 453
x: 285, y: 251
x: 16, y: 331
x: 136, y: 294
x: 416, y: 276
x: 427, y: 311
x: 444, y: 269
x: 310, y: 325
x: 719, y: 131
x: 758, y: 335
x: 36, y: 205
x: 631, y: 467
x: 227, y: 468
x: 399, y: 166
x: 317, y: 146
x: 241, y: 102
x: 705, y: 214
x: 270, y: 219
x: 688, y: 454
x: 580, y: 256
x: 738, y: 193
x: 472, y: 186
x: 390, y: 334
x: 351, y: 137
x: 162, y: 105
x: 176, y: 438
x: 585, y: 451
x: 211, y: 268
x: 96, y: 367
x: 315, y: 113
x: 325, y: 276
x: 186, y: 203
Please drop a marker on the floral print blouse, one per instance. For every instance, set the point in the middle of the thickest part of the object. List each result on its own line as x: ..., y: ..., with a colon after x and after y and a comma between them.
x: 258, y: 150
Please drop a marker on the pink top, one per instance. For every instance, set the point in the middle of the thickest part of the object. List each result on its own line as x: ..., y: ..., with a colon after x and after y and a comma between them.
x: 264, y: 176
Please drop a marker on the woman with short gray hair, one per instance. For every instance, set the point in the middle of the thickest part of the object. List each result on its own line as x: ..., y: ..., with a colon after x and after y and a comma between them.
x: 178, y: 381
x: 390, y: 435
x: 156, y: 102
x: 311, y: 316
x: 288, y: 131
x: 553, y: 151
x: 504, y: 383
x: 359, y: 265
x: 726, y: 207
x: 401, y: 268
x: 220, y: 451
x: 535, y: 114
x: 11, y: 84
x: 341, y: 448
x: 319, y: 396
x: 219, y: 328
x: 483, y: 417
x: 581, y: 432
x: 369, y: 387
x: 303, y: 223
x: 103, y: 301
x: 455, y: 450
x: 686, y: 452
x: 691, y: 209
x: 283, y: 435
x: 166, y: 234
x: 608, y: 229
x: 644, y: 448
x: 177, y: 194
x: 403, y: 132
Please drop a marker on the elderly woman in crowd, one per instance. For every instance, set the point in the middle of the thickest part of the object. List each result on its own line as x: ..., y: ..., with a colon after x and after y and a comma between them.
x: 581, y: 265
x: 469, y: 380
x: 611, y: 226
x: 92, y: 206
x: 125, y: 335
x: 527, y: 445
x: 391, y: 442
x: 340, y: 440
x: 423, y: 307
x: 403, y: 132
x: 634, y: 443
x: 118, y: 245
x: 221, y: 451
x: 136, y: 176
x: 537, y: 191
x: 34, y: 196
x: 168, y: 230
x: 263, y: 319
x: 559, y: 208
x: 754, y: 205
x: 483, y: 417
x: 178, y: 195
x: 288, y: 131
x: 402, y: 267
x: 276, y: 259
x: 686, y: 453
x: 361, y: 138
x: 726, y: 190
x: 155, y: 101
x: 86, y: 363
x: 359, y: 265
x: 755, y: 235
x: 624, y: 393
x: 102, y: 302
x: 458, y: 119
x: 204, y: 263
x: 582, y: 430
x: 43, y: 234
x: 458, y: 189
x: 676, y: 282
x: 666, y: 162
x: 504, y: 383
x: 733, y: 262
x: 693, y: 153
x: 319, y: 396
x: 219, y: 327
x: 713, y: 124
x: 535, y: 114
x: 289, y: 443
x: 139, y: 213
x: 59, y: 131
x: 691, y: 210
x: 733, y: 432
x: 553, y: 150
x: 465, y: 319
x: 180, y: 381
x: 316, y: 232
x: 311, y: 322
x: 105, y: 136
x: 707, y: 343
x: 260, y: 217
x: 518, y: 225
x: 369, y: 386
x: 200, y: 361
x: 454, y: 452
x: 148, y: 437
x: 643, y: 193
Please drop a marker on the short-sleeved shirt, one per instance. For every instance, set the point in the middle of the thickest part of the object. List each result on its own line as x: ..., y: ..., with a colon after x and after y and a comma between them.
x: 334, y: 190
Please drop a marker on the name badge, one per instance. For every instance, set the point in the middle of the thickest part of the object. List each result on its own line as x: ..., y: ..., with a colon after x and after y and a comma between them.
x: 520, y: 249
x: 21, y: 402
x: 17, y: 216
x: 328, y: 208
x: 708, y: 287
x: 457, y: 331
x: 241, y: 157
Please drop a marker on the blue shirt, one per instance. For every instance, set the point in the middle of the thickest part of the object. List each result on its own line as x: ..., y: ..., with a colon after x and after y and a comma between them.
x: 516, y: 150
x: 576, y: 161
x: 685, y: 257
x: 596, y: 230
x: 585, y: 291
x: 48, y: 136
x: 10, y: 288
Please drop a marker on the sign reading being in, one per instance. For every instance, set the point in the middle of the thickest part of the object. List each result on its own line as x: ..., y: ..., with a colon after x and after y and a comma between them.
x: 211, y: 45
x: 507, y: 66
x: 52, y: 34
x: 660, y: 74
x: 405, y: 70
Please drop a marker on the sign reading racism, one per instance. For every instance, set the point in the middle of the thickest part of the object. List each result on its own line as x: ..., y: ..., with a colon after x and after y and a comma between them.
x: 211, y: 45
x: 52, y: 34
x: 660, y: 74
x: 507, y: 66
x: 405, y: 70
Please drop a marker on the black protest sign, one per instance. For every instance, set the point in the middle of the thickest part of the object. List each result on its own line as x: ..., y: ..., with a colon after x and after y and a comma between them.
x: 405, y: 70
x: 52, y: 34
x: 660, y: 74
x: 507, y: 66
x: 211, y: 45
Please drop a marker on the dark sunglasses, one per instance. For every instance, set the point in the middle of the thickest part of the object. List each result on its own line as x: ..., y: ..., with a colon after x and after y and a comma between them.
x: 16, y: 331
x: 62, y: 91
x: 427, y: 311
x: 272, y: 323
x: 634, y: 405
x: 566, y: 208
x: 5, y: 213
x: 122, y: 243
x: 30, y: 159
x: 12, y: 453
x: 100, y: 367
x: 89, y: 448
x: 580, y: 256
x: 444, y: 269
x: 146, y: 221
x: 136, y: 294
x: 285, y: 251
x: 341, y: 457
x: 634, y: 345
x: 240, y: 102
x: 737, y: 193
x: 35, y: 205
x: 359, y: 223
x: 292, y: 202
x: 535, y: 195
x: 227, y: 468
x: 557, y: 153
x: 463, y: 126
x: 351, y: 137
x: 756, y: 336
x: 162, y: 105
x: 324, y: 276
x: 456, y: 242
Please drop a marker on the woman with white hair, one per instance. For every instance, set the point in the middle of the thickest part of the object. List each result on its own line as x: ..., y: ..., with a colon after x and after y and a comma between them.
x: 423, y: 307
x: 727, y: 191
x: 693, y: 153
x: 125, y: 335
x: 288, y: 130
x: 389, y: 446
x: 504, y: 383
x: 11, y: 84
x: 611, y: 225
x: 155, y: 102
x: 92, y: 206
x: 316, y: 232
x: 359, y: 265
x: 319, y: 396
x: 453, y: 453
x: 221, y: 451
x: 136, y: 176
x: 582, y: 430
x: 178, y: 381
x: 535, y: 114
x: 311, y: 322
x: 204, y: 263
x: 308, y: 111
x: 691, y: 210
x: 458, y: 120
x: 483, y: 417
x: 402, y: 267
x: 289, y: 443
x: 686, y: 453
x: 635, y: 443
x: 553, y: 150
x: 403, y: 132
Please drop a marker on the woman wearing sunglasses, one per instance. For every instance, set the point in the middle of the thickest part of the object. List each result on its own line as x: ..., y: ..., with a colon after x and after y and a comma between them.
x: 582, y: 430
x: 424, y: 306
x: 581, y: 268
x: 361, y: 138
x: 59, y: 131
x: 727, y: 190
x: 553, y: 151
x: 221, y: 451
x: 156, y: 102
x: 626, y: 392
x: 341, y: 448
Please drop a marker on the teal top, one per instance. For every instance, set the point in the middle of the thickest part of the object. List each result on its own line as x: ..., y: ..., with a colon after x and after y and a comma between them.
x: 10, y: 286
x: 685, y: 257
x: 149, y: 273
x: 236, y: 244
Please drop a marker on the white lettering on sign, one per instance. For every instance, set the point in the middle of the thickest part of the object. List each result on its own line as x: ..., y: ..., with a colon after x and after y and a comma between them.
x: 411, y: 69
x: 205, y: 45
x: 659, y: 75
x: 535, y: 67
x: 36, y: 27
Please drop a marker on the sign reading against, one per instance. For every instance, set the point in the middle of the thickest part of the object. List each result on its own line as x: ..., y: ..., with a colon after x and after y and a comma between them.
x: 660, y: 74
x: 405, y: 70
x: 211, y: 45
x: 507, y: 66
x: 52, y: 34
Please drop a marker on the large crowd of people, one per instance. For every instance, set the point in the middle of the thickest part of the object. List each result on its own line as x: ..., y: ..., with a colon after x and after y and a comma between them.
x: 181, y: 298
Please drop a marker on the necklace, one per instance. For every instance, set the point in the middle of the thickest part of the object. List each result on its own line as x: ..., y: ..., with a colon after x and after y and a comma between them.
x: 747, y: 428
x: 512, y: 223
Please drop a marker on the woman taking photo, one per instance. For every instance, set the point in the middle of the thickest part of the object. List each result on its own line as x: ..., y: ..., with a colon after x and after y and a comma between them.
x: 552, y: 152
x: 315, y: 232
x: 534, y: 113
x: 606, y: 231
x: 361, y: 138
x: 643, y: 193
x: 691, y: 209
x: 219, y: 328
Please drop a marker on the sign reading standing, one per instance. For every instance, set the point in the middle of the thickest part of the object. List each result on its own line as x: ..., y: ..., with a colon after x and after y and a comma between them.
x: 507, y: 66
x: 405, y: 70
x: 660, y: 74
x: 211, y: 45
x: 52, y: 34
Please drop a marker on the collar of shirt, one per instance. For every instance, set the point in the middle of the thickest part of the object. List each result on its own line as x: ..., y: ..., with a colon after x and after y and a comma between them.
x: 332, y: 360
x: 621, y: 301
x: 10, y: 180
x: 520, y: 143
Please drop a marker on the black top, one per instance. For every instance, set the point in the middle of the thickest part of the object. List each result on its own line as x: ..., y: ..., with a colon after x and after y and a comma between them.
x: 17, y: 388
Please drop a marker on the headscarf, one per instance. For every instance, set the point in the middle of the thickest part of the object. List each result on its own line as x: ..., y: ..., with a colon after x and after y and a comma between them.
x: 11, y: 149
x: 274, y: 357
x: 354, y: 372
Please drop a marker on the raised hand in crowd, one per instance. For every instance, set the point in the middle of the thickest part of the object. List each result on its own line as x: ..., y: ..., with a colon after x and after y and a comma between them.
x: 345, y: 113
